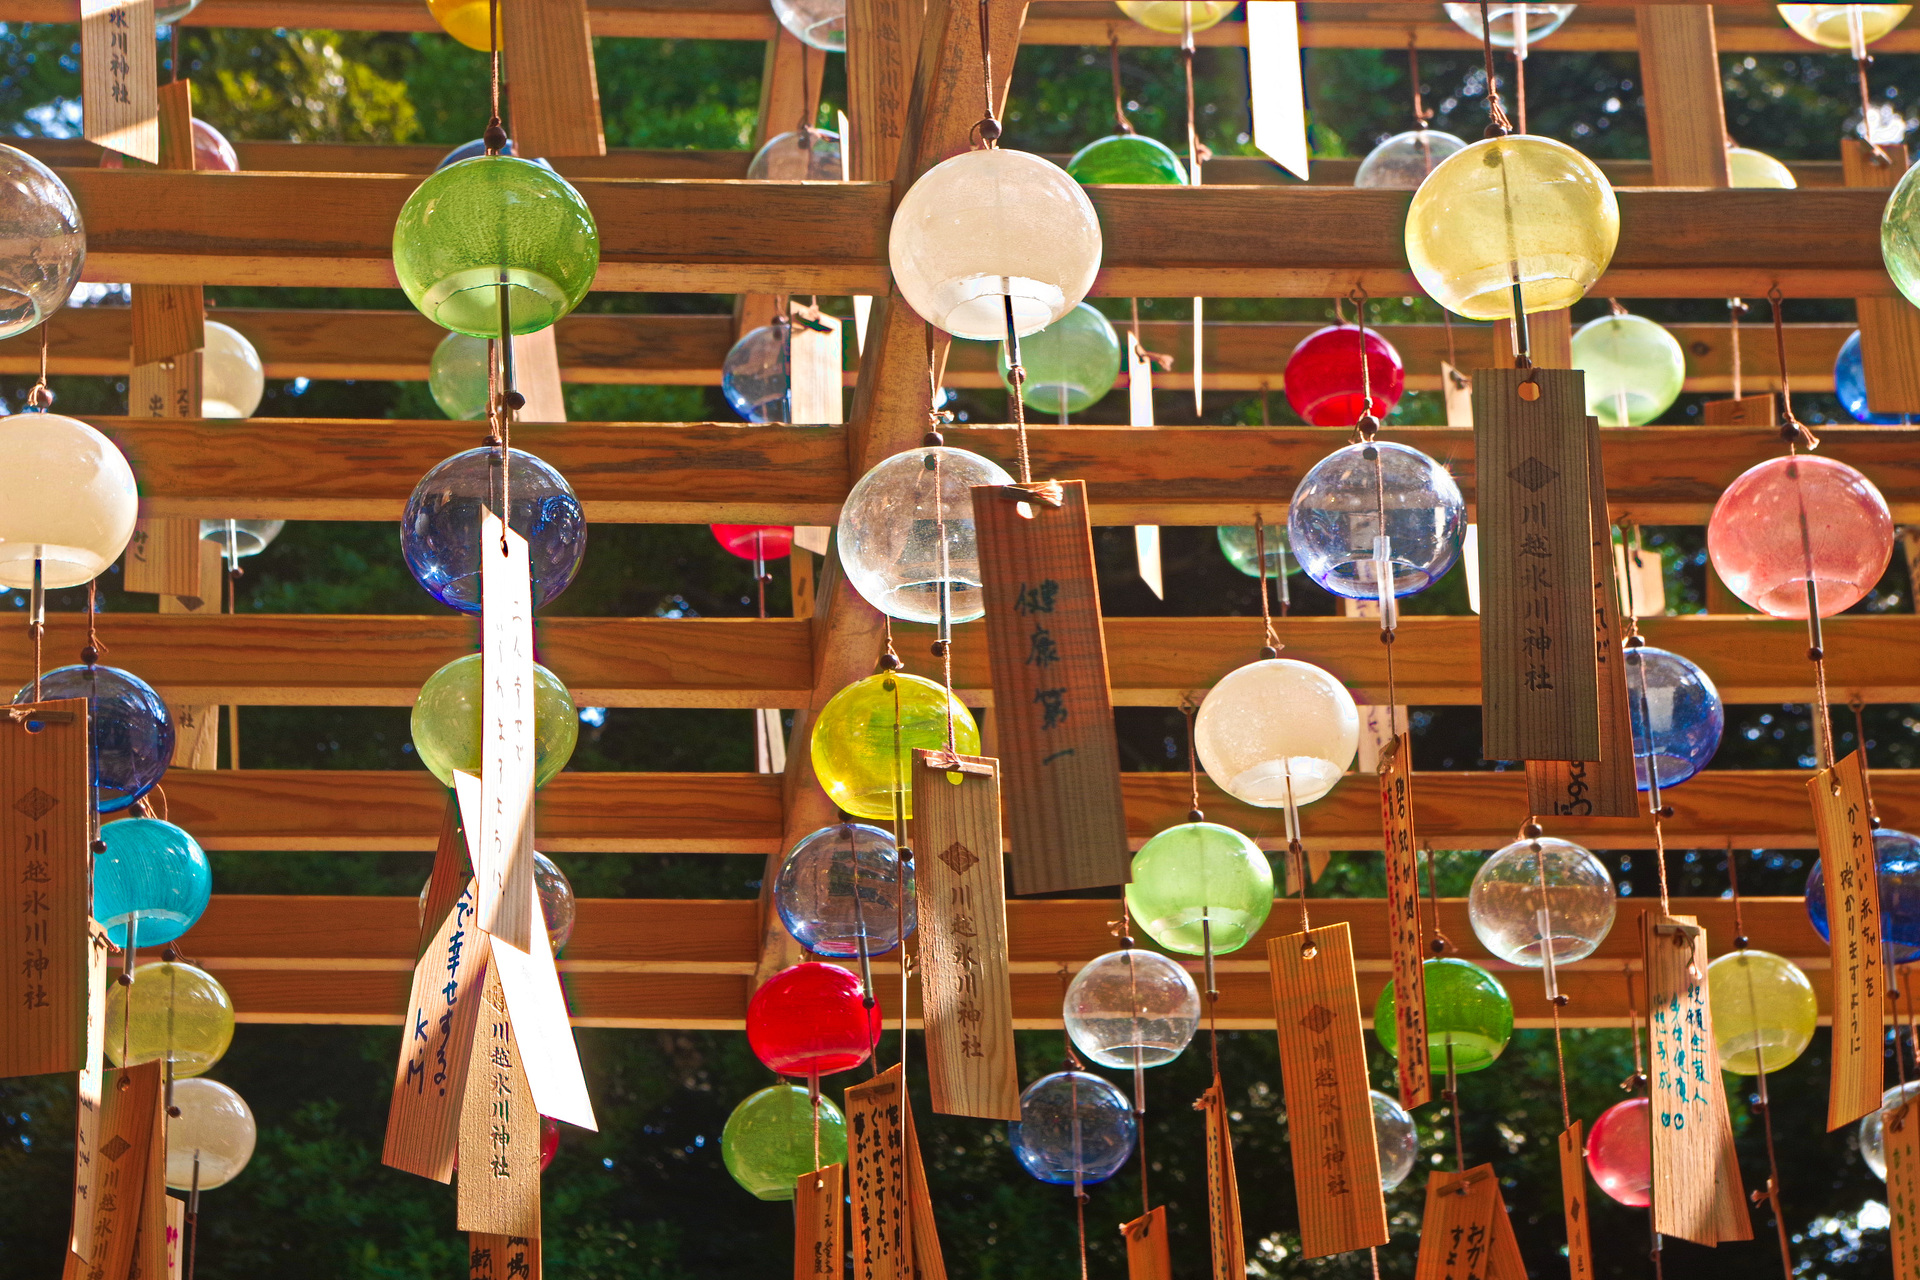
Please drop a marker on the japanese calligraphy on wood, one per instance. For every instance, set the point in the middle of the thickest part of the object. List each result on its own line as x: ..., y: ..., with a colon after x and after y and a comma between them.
x: 1853, y: 932
x: 169, y: 388
x: 176, y: 1236
x: 1900, y: 1141
x: 499, y: 1173
x: 1051, y: 698
x: 1456, y: 1231
x: 965, y: 992
x: 876, y: 1135
x: 1539, y: 680
x: 815, y: 354
x: 430, y: 1082
x: 130, y: 1117
x: 1403, y: 921
x: 44, y: 777
x: 1688, y: 1113
x: 1147, y: 1256
x: 531, y: 983
x: 1602, y: 788
x: 1323, y: 1061
x: 163, y: 556
x: 150, y: 1240
x: 819, y: 1230
x: 1229, y: 1247
x: 1573, y: 1200
x: 86, y: 1127
x: 491, y: 1257
x: 503, y: 863
x: 556, y: 94
x: 119, y: 107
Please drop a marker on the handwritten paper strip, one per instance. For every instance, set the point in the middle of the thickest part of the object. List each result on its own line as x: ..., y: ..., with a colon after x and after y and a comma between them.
x: 1229, y: 1245
x: 1147, y: 1255
x: 1853, y: 933
x: 430, y: 1082
x: 1403, y: 921
x: 1323, y: 1062
x: 119, y: 105
x: 1457, y: 1229
x: 819, y: 1230
x: 1573, y: 1200
x: 531, y: 983
x: 876, y: 1135
x: 503, y: 867
x: 499, y: 1174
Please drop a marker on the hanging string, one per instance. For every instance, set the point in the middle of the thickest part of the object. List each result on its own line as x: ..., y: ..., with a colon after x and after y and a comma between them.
x: 1422, y: 114
x: 1272, y: 647
x: 1119, y: 97
x: 1860, y: 60
x: 988, y: 130
x: 1638, y: 1080
x: 40, y: 399
x: 1859, y: 709
x: 1197, y: 153
x: 1770, y: 1194
x: 1441, y: 944
x: 1736, y: 308
x: 495, y: 137
x: 1452, y: 1094
x: 1498, y: 125
x: 809, y: 104
x: 1793, y: 431
x: 1555, y: 997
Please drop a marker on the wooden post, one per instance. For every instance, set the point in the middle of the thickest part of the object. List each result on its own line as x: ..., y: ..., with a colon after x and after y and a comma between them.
x: 1680, y: 74
x: 548, y: 50
x: 1889, y: 326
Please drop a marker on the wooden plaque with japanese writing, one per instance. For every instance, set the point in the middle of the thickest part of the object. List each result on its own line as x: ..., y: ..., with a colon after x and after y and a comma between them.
x: 1403, y: 921
x: 86, y: 1126
x: 170, y: 319
x: 959, y: 883
x: 1539, y: 681
x: 176, y: 1236
x: 1323, y: 1061
x: 819, y: 1227
x: 46, y: 867
x: 436, y: 1046
x: 1688, y: 1128
x: 877, y: 1172
x: 814, y: 358
x: 129, y: 1117
x: 1457, y: 1229
x: 119, y: 107
x: 1147, y: 1256
x: 1606, y: 787
x: 1051, y: 698
x: 1226, y: 1239
x: 1900, y: 1141
x: 452, y: 872
x: 169, y: 388
x: 491, y: 1257
x: 499, y: 1173
x: 923, y: 1232
x: 1573, y: 1201
x: 503, y: 858
x: 1853, y: 937
x: 163, y: 556
x: 548, y: 49
x: 150, y: 1240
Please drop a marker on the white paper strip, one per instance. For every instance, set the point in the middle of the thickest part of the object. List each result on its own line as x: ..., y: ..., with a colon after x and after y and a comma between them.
x: 503, y: 864
x: 538, y: 1009
x: 1273, y: 72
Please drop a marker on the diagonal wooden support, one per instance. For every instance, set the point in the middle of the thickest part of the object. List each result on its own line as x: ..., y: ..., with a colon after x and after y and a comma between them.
x: 548, y: 49
x: 789, y: 81
x: 1686, y: 115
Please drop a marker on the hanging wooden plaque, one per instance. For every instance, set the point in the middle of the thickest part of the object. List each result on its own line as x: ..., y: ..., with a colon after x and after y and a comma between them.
x: 1505, y: 1262
x: 119, y: 107
x: 816, y: 355
x: 531, y: 983
x: 452, y: 873
x: 1606, y: 787
x: 1403, y: 921
x: 169, y: 388
x: 536, y: 376
x: 876, y: 1135
x: 47, y: 872
x: 436, y: 1047
x: 1689, y: 1128
x: 196, y: 726
x: 491, y: 1257
x: 1457, y: 1229
x: 1573, y: 1200
x: 176, y: 1236
x: 1642, y: 580
x: 130, y: 1113
x: 499, y: 1174
x: 163, y: 556
x: 1456, y: 388
x: 1147, y: 1255
x: 1853, y: 931
x: 1747, y: 411
x: 150, y: 1239
x: 86, y: 1128
x: 1228, y: 1241
x: 966, y: 993
x: 503, y: 862
x: 548, y: 49
x: 1900, y: 1141
x: 819, y: 1227
x: 922, y: 1231
x: 1539, y: 682
x: 1051, y: 697
x: 1323, y: 1061
x: 1889, y: 326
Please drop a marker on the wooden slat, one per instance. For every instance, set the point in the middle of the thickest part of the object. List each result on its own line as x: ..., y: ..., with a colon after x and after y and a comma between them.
x: 1686, y: 113
x: 322, y: 810
x: 1889, y: 327
x: 555, y: 101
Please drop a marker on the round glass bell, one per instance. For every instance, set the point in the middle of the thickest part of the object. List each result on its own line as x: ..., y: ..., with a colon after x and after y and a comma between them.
x: 129, y: 731
x: 457, y: 376
x: 1353, y: 498
x: 152, y: 880
x: 497, y: 221
x: 231, y: 377
x: 1749, y: 168
x: 1277, y: 729
x: 1899, y: 236
x: 1635, y: 369
x: 1240, y: 544
x: 1843, y: 26
x: 1074, y: 1126
x: 1129, y: 159
x: 250, y: 537
x: 1172, y: 17
x: 1764, y: 1013
x: 906, y: 536
x: 1898, y: 856
x: 1676, y: 715
x: 1467, y: 1011
x: 759, y: 542
x: 1850, y: 387
x: 993, y: 229
x: 1620, y: 1152
x: 465, y: 20
x: 1873, y: 1133
x: 1132, y: 1008
x: 799, y: 155
x: 812, y: 1020
x: 212, y: 153
x: 1514, y: 25
x: 212, y: 1138
x: 1069, y: 365
x: 820, y: 23
x: 1506, y: 906
x: 178, y: 1014
x: 168, y: 12
x: 45, y: 243
x: 1396, y: 1139
x: 440, y: 528
x: 447, y: 721
x: 1402, y: 162
x: 768, y: 1140
x: 1770, y: 518
x: 865, y: 737
x: 67, y: 499
x: 1324, y: 380
x: 1200, y: 883
x: 1518, y: 207
x: 757, y: 378
x: 839, y: 892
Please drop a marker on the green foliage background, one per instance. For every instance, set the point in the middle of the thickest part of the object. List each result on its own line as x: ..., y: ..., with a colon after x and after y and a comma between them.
x: 646, y: 1197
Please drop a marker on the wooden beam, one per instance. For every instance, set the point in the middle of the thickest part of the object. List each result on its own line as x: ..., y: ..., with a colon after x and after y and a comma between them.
x: 1686, y: 113
x: 317, y: 660
x: 336, y: 230
x: 1889, y: 327
x: 315, y: 469
x: 687, y: 350
x: 333, y: 810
